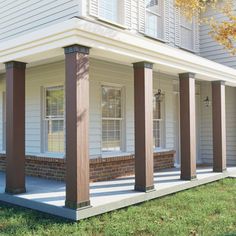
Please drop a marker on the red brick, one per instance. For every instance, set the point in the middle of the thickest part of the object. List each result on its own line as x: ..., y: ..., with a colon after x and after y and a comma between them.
x: 100, y: 168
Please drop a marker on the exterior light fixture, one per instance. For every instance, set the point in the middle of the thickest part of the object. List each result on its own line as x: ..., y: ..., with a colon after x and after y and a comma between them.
x: 207, y: 101
x: 159, y: 95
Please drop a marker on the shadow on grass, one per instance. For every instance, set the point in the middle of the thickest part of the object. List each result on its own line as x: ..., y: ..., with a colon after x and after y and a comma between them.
x: 33, y: 215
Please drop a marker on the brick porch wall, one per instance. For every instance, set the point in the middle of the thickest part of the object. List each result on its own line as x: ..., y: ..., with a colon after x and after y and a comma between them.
x: 100, y: 168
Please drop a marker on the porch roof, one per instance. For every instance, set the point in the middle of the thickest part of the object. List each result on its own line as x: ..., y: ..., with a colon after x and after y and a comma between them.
x: 109, y: 43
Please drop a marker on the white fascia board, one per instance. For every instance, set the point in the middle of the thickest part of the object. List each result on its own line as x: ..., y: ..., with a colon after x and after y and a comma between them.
x: 95, y: 35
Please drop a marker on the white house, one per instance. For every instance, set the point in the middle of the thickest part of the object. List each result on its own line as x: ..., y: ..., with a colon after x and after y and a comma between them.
x: 120, y: 47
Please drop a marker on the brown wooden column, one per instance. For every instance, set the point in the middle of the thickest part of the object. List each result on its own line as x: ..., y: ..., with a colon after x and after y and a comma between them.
x: 15, y: 127
x: 187, y: 126
x: 143, y: 99
x: 219, y: 126
x: 77, y: 126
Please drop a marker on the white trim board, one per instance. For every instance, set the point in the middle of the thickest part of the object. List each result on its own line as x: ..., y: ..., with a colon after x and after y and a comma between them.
x: 126, y: 47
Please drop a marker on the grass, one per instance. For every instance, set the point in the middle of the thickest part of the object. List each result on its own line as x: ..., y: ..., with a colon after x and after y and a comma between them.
x: 206, y: 210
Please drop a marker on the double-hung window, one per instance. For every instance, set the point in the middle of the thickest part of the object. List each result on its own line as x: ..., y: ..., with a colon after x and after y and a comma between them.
x: 111, y: 118
x: 111, y: 10
x: 54, y: 128
x: 4, y: 121
x: 187, y: 34
x: 157, y: 120
x: 155, y: 18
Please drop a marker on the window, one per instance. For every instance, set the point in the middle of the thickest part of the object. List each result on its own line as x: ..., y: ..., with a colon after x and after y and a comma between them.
x: 157, y: 119
x: 111, y: 118
x: 111, y: 10
x: 54, y: 119
x: 155, y: 18
x: 186, y: 31
x: 4, y: 121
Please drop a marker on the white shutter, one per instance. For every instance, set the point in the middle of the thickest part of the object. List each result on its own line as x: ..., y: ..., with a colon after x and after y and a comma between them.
x: 196, y: 35
x: 167, y: 20
x: 93, y: 7
x: 177, y: 27
x: 128, y: 17
x: 141, y: 16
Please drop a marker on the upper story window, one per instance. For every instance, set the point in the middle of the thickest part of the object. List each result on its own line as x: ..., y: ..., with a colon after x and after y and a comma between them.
x: 54, y: 129
x: 111, y: 118
x: 155, y: 18
x: 111, y: 10
x: 186, y: 34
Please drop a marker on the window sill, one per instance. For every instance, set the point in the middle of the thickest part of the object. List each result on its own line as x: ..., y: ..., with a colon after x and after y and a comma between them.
x: 112, y: 23
x: 32, y: 155
x: 47, y: 154
x: 161, y: 150
x: 115, y: 154
x: 187, y: 49
x: 154, y: 38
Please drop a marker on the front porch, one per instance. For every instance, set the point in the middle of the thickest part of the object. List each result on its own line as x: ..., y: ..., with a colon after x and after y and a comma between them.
x: 49, y: 196
x: 175, y: 133
x: 101, y: 98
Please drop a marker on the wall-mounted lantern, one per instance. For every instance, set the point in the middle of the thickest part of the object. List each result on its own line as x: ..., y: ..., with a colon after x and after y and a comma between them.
x: 159, y: 95
x: 207, y: 102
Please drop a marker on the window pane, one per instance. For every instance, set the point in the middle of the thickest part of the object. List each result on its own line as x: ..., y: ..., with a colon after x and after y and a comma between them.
x: 186, y: 22
x: 154, y: 19
x: 54, y: 119
x: 111, y: 102
x: 153, y: 5
x: 151, y: 24
x: 108, y: 9
x: 186, y: 38
x: 4, y: 121
x: 186, y: 33
x: 111, y: 135
x: 156, y: 122
x: 156, y: 133
x: 156, y: 108
x: 111, y: 119
x: 54, y: 102
x: 55, y: 135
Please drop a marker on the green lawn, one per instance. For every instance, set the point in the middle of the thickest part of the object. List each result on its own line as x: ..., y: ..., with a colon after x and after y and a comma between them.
x: 206, y: 210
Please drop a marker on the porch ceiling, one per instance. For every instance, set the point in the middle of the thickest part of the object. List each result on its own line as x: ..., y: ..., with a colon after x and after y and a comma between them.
x: 109, y: 43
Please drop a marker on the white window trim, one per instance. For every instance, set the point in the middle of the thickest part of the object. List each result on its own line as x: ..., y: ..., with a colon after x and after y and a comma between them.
x: 163, y: 39
x: 162, y: 125
x: 43, y: 115
x: 104, y: 154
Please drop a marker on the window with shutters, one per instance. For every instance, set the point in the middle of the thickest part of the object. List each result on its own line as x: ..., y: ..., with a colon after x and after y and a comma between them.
x: 157, y: 122
x: 53, y: 119
x: 111, y: 118
x: 154, y: 25
x: 111, y: 10
x: 186, y: 33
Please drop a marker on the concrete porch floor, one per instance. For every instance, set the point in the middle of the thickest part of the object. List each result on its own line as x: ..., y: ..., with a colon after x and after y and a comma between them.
x: 49, y: 196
